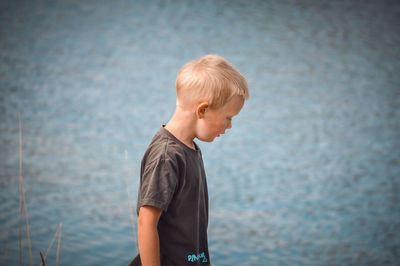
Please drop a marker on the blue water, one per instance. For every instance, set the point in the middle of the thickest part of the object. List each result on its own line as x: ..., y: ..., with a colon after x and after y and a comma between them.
x: 308, y: 175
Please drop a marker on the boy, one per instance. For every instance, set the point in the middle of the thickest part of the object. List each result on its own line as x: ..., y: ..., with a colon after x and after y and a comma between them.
x: 172, y: 201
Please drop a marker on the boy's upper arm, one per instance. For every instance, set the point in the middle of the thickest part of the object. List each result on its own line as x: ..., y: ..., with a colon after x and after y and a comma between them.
x: 149, y: 215
x: 159, y: 181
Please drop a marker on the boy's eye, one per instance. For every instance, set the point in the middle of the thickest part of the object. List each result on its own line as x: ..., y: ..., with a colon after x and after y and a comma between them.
x: 229, y: 118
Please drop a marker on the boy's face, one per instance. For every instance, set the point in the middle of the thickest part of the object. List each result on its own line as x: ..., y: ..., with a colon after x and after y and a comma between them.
x: 214, y: 122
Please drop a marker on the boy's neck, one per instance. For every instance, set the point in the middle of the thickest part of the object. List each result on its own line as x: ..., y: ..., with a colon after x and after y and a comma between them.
x: 181, y: 125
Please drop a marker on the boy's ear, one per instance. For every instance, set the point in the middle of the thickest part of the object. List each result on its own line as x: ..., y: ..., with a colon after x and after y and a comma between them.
x: 201, y: 109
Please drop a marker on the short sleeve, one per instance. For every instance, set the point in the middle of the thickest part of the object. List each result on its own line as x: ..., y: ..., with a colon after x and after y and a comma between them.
x: 159, y: 180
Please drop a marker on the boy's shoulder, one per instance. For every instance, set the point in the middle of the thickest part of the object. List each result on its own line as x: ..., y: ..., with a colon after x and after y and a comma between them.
x: 165, y: 146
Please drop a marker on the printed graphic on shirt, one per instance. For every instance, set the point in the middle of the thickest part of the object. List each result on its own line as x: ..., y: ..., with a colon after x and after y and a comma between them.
x: 194, y: 258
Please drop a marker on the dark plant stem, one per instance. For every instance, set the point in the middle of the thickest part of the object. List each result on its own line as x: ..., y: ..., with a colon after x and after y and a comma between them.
x: 43, y: 262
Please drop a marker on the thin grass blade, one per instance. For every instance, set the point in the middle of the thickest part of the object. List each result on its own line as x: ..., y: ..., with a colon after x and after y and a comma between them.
x: 59, y: 245
x: 131, y: 211
x: 22, y: 191
x: 5, y: 256
x: 21, y: 202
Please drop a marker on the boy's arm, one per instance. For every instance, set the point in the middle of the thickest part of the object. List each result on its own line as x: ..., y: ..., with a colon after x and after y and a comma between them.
x: 149, y: 243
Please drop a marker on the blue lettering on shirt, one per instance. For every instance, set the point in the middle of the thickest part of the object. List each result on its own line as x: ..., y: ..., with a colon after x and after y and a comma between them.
x: 194, y: 258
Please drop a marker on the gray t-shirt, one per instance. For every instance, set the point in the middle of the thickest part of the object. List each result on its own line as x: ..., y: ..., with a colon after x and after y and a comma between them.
x: 172, y: 178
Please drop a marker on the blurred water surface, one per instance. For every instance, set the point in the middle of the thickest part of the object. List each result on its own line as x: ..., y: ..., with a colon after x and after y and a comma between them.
x: 309, y: 174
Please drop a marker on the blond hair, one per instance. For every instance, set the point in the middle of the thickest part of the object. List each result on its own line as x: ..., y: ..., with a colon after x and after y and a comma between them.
x: 209, y: 78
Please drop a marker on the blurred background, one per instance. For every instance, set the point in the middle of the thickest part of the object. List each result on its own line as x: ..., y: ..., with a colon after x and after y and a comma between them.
x: 308, y: 175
